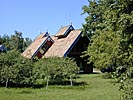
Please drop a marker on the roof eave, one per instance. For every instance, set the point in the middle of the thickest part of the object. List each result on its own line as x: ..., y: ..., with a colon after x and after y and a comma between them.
x: 74, y: 43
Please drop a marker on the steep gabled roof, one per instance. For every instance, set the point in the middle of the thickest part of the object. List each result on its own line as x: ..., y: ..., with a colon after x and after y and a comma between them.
x: 63, y: 42
x: 62, y: 46
x: 35, y: 46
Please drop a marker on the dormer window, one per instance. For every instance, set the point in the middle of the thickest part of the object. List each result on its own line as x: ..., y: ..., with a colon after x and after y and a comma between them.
x: 64, y: 31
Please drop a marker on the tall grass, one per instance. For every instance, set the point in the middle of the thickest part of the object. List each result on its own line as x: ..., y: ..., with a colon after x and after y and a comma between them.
x: 88, y: 87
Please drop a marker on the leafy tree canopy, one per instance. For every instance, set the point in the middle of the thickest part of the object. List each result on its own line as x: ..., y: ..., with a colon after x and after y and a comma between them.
x: 15, y: 42
x: 56, y: 69
x: 109, y: 24
x: 15, y: 70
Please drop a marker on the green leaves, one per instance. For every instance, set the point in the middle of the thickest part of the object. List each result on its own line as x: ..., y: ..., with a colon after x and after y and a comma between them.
x: 15, y: 69
x: 18, y: 71
x: 112, y: 38
x: 56, y: 69
x: 15, y: 42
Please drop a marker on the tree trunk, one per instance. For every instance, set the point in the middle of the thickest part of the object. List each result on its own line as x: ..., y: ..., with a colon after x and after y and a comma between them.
x: 71, y: 82
x: 47, y: 82
x: 6, y: 82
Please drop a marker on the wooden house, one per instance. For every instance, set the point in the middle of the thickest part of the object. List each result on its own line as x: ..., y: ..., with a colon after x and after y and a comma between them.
x: 68, y: 42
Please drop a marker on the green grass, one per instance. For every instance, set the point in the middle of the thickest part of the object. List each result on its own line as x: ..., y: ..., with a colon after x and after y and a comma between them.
x: 95, y: 88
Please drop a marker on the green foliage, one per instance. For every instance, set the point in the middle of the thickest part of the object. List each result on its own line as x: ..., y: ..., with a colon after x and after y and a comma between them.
x: 112, y: 38
x: 56, y: 69
x: 25, y: 74
x: 15, y: 42
x: 14, y: 69
x: 7, y: 70
x: 18, y: 71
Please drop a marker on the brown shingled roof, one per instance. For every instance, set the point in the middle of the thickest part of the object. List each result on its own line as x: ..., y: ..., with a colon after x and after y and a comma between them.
x: 31, y: 50
x: 62, y: 45
x: 62, y: 31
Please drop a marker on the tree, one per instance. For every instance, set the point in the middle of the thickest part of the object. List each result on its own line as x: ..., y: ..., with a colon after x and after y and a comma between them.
x: 15, y: 42
x: 43, y: 70
x: 7, y: 70
x: 25, y: 75
x: 55, y: 69
x: 26, y: 42
x: 16, y: 70
x: 112, y: 38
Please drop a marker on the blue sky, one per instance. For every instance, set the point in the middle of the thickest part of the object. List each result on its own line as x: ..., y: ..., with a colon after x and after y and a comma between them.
x: 34, y: 16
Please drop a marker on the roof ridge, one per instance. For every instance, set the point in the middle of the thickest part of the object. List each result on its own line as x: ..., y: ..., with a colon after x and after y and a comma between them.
x: 65, y: 26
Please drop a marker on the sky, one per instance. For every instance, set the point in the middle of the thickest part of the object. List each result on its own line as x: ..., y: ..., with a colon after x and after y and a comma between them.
x: 34, y: 16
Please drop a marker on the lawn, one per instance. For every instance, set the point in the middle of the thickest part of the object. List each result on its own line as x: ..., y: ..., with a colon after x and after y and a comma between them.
x: 94, y: 87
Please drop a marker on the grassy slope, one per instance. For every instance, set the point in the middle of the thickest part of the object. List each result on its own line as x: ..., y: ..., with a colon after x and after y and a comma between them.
x: 97, y: 88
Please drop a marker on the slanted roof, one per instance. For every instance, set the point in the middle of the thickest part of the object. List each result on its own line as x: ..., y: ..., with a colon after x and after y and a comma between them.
x: 62, y: 46
x: 64, y: 30
x: 35, y: 46
x: 2, y: 48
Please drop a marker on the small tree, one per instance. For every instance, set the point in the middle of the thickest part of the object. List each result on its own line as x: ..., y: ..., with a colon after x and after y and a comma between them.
x: 25, y: 74
x: 56, y: 69
x: 69, y: 69
x: 14, y: 69
x: 7, y: 70
x: 43, y: 70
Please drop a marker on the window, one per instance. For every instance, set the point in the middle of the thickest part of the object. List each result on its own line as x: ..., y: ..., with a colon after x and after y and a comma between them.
x: 41, y: 51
